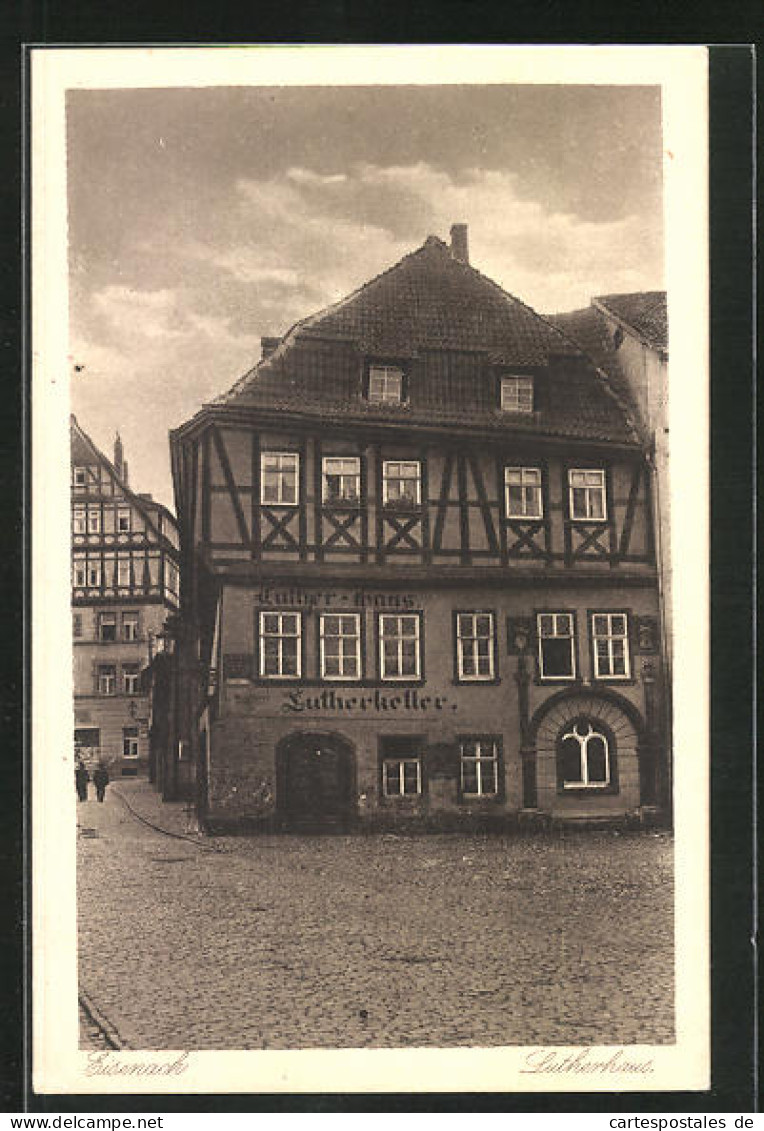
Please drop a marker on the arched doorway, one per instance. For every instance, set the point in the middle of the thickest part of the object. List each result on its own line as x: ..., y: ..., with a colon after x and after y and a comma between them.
x: 315, y: 778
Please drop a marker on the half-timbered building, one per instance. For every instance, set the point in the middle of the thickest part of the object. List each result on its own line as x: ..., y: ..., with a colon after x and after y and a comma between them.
x: 125, y: 582
x: 418, y: 570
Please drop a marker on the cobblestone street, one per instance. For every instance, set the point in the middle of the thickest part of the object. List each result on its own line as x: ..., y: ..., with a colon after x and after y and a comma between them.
x: 289, y: 942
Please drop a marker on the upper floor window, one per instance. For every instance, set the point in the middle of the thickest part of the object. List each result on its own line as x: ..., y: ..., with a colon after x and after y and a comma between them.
x: 279, y: 478
x: 479, y: 760
x: 94, y: 575
x: 130, y: 678
x: 80, y: 476
x: 399, y: 646
x: 107, y: 679
x: 124, y: 520
x: 584, y: 757
x: 79, y: 520
x: 123, y: 571
x: 342, y: 479
x: 340, y: 644
x: 130, y: 626
x: 94, y: 520
x: 610, y: 641
x: 79, y: 572
x: 385, y: 384
x: 401, y: 482
x: 107, y: 627
x: 76, y: 624
x: 280, y: 645
x: 516, y: 394
x: 587, y: 493
x: 556, y: 642
x: 522, y: 492
x: 474, y: 646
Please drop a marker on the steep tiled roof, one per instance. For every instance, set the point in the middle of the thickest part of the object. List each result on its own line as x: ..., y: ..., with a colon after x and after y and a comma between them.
x: 645, y: 312
x: 589, y: 329
x: 453, y: 326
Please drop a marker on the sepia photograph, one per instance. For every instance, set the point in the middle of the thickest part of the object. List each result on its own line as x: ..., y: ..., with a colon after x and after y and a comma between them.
x: 366, y: 469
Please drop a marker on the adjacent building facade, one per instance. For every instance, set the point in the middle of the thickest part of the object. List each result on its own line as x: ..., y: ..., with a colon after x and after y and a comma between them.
x: 125, y: 582
x: 419, y: 581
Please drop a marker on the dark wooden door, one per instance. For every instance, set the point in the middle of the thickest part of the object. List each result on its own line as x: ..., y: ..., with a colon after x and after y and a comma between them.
x: 317, y: 779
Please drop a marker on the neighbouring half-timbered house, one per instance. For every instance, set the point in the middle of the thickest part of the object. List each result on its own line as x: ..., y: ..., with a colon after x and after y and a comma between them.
x: 418, y: 572
x: 125, y: 582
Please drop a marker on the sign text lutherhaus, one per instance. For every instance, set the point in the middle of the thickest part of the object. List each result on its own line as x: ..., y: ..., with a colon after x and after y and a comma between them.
x: 383, y: 702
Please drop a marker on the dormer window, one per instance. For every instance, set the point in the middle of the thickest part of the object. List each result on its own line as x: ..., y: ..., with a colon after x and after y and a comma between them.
x: 516, y: 394
x: 385, y: 385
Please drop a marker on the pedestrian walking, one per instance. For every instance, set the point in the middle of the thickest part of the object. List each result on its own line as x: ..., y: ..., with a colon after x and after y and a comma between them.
x: 101, y: 780
x: 81, y: 779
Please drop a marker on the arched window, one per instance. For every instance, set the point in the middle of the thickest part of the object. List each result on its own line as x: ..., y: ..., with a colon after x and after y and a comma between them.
x: 585, y: 756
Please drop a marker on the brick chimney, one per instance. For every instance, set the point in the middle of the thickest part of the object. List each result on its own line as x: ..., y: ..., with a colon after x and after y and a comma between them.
x: 268, y: 345
x: 460, y: 243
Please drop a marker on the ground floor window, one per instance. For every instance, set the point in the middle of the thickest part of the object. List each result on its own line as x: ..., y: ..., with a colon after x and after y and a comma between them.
x: 130, y: 742
x: 479, y: 759
x: 87, y: 740
x: 401, y: 765
x: 585, y: 756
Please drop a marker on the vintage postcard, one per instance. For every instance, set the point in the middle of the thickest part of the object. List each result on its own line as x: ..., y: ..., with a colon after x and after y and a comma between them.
x: 370, y: 610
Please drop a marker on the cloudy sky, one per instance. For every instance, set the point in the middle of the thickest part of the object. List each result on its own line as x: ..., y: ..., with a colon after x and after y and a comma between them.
x: 200, y: 220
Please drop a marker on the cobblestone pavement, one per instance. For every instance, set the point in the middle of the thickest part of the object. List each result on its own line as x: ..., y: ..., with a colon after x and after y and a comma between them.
x: 385, y: 941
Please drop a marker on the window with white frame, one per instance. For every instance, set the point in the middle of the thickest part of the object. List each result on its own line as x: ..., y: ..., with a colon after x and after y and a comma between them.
x: 584, y: 756
x: 556, y: 643
x: 341, y: 479
x: 610, y: 640
x: 94, y: 520
x: 124, y: 520
x: 130, y: 742
x: 279, y: 478
x: 399, y: 646
x: 522, y: 492
x: 401, y: 482
x: 130, y: 677
x: 280, y: 645
x: 94, y: 574
x: 402, y: 777
x: 80, y: 476
x: 79, y: 520
x: 401, y: 765
x: 586, y: 493
x: 130, y: 626
x: 516, y: 394
x: 340, y: 645
x: 107, y: 679
x: 107, y: 627
x: 79, y: 572
x: 475, y: 646
x: 123, y: 571
x: 385, y: 384
x: 479, y: 760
